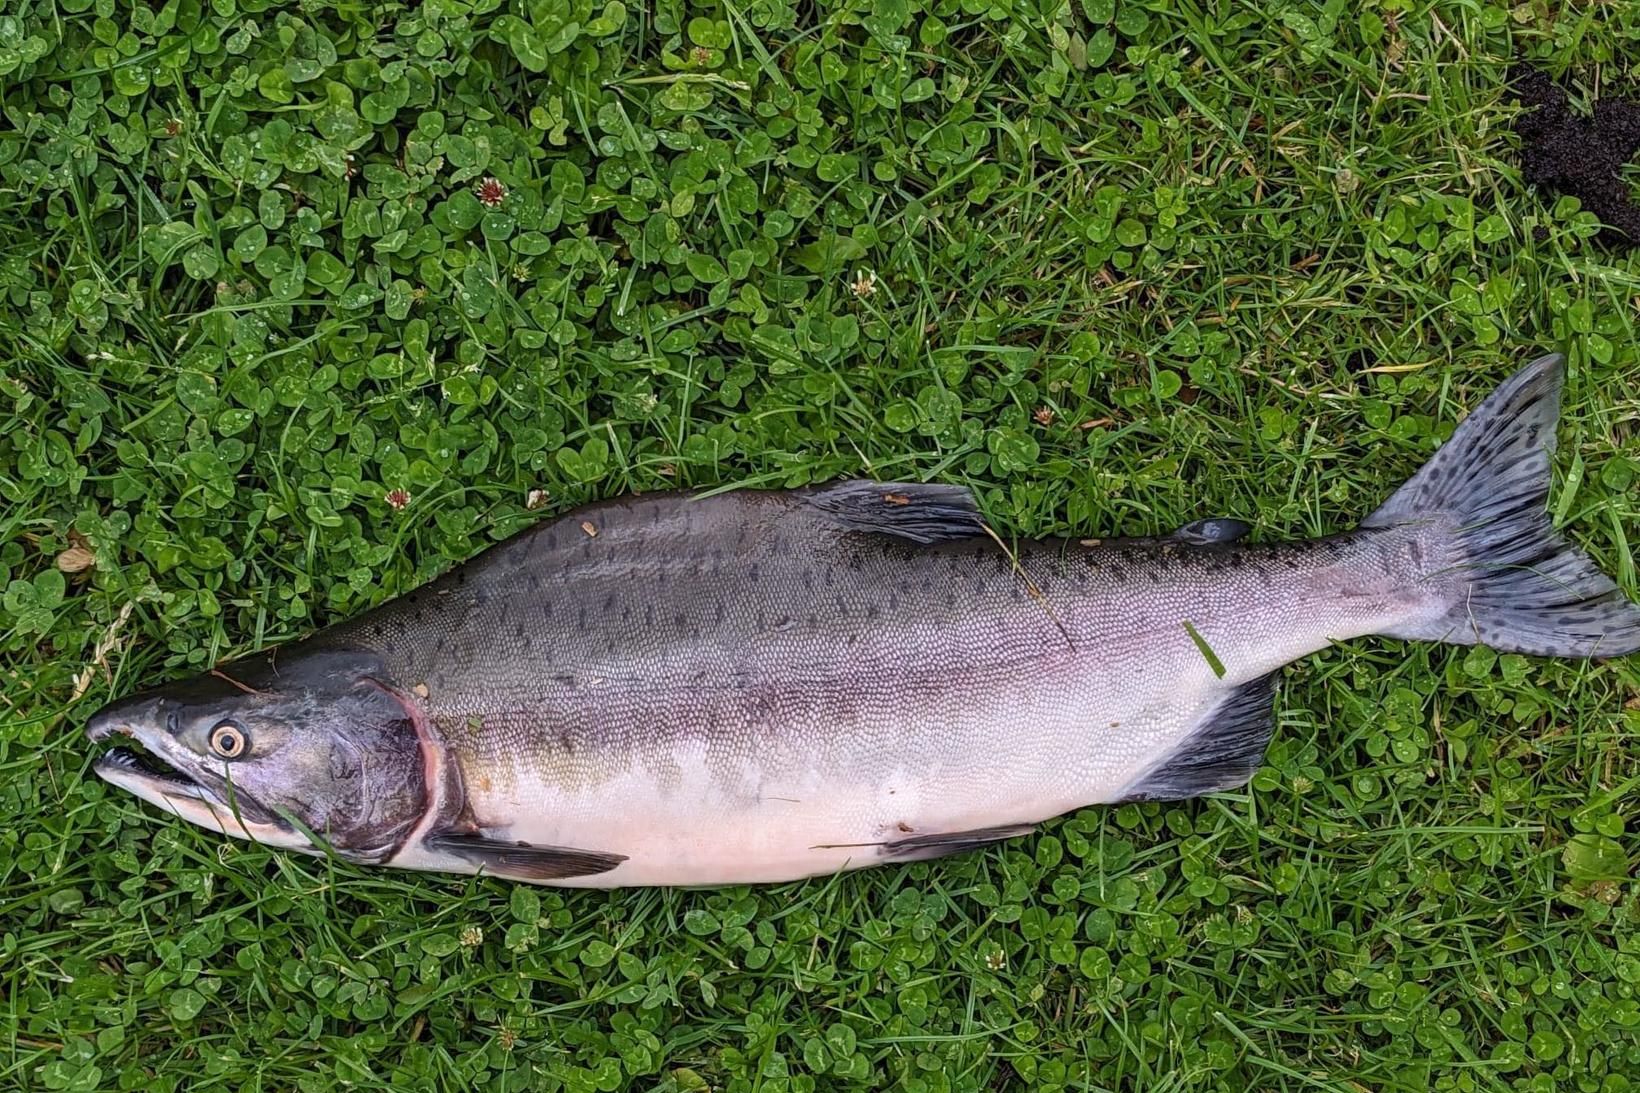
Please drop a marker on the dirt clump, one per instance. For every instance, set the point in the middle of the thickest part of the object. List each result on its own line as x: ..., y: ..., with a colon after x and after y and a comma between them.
x: 1568, y: 154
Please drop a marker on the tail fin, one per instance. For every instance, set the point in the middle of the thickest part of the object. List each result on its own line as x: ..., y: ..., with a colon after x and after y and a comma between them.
x: 1521, y: 588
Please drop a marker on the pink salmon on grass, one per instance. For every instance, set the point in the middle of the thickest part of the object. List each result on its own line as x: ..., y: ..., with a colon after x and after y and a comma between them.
x: 759, y: 686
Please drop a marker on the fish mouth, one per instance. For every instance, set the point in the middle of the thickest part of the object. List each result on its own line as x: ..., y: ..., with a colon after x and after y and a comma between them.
x: 129, y: 763
x: 198, y: 796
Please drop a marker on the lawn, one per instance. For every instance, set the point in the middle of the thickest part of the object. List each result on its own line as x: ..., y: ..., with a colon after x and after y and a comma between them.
x: 301, y: 303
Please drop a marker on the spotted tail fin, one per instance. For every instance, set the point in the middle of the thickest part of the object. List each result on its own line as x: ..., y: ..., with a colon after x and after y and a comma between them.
x: 1522, y: 587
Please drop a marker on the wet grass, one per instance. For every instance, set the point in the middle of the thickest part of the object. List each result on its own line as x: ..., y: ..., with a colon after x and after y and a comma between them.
x: 1117, y: 267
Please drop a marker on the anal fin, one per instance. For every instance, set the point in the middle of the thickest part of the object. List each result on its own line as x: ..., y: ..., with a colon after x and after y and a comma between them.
x: 1224, y: 751
x: 525, y: 861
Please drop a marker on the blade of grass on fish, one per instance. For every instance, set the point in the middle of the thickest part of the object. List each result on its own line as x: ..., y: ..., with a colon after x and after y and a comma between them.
x: 321, y: 845
x: 1205, y: 649
x: 233, y: 806
x: 1030, y: 585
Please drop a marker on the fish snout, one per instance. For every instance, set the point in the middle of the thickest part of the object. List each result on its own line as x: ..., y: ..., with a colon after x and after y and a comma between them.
x: 122, y: 718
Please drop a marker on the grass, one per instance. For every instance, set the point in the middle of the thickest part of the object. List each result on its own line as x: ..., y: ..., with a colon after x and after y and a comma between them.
x: 1115, y: 265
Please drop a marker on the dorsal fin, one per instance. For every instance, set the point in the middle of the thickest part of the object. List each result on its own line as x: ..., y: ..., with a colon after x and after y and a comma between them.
x: 920, y: 512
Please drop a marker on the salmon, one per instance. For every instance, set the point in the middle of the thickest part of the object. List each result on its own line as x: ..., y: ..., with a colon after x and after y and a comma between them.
x: 759, y: 686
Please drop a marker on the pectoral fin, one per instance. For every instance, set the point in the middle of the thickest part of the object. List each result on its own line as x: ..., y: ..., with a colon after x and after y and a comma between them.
x: 525, y: 861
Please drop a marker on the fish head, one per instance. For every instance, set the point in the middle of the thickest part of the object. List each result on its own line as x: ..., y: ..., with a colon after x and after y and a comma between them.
x: 278, y: 753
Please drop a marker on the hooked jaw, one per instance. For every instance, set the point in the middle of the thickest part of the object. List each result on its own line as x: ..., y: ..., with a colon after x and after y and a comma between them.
x: 167, y: 774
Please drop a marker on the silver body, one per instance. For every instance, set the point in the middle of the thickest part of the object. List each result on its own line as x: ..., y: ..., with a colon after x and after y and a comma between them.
x: 731, y: 689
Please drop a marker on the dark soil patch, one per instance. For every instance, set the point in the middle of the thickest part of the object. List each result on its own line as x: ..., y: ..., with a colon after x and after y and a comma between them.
x: 1568, y: 154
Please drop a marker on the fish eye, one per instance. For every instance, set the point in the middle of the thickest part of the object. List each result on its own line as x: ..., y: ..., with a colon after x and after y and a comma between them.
x: 229, y: 740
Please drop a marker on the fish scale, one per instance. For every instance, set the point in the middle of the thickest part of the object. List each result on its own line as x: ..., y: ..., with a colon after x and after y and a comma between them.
x: 684, y: 689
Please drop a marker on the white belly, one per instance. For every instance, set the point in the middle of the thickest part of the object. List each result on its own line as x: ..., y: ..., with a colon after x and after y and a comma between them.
x: 810, y: 799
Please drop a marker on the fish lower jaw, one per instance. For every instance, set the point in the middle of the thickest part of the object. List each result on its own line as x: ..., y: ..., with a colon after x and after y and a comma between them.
x: 128, y: 762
